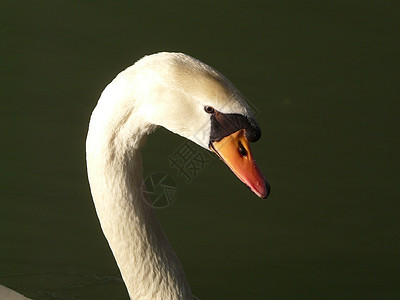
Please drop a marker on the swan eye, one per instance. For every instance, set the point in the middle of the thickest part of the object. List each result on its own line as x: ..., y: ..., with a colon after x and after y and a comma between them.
x: 209, y: 109
x: 242, y: 150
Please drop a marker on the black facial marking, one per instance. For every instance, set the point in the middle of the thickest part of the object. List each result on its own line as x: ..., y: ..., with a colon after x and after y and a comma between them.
x: 223, y: 125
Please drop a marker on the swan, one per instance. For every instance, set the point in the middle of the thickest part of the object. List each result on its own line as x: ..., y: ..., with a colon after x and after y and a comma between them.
x: 189, y: 98
x: 8, y: 294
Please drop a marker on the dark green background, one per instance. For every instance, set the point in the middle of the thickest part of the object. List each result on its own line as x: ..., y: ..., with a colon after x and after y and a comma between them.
x: 323, y: 77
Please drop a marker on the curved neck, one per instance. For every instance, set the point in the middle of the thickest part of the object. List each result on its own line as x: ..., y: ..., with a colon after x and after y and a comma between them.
x: 148, y: 264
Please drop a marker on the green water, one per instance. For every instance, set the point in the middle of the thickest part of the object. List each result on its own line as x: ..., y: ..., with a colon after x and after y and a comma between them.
x: 323, y: 78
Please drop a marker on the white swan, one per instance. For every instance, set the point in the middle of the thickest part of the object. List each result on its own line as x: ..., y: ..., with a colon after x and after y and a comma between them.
x: 8, y: 294
x: 189, y: 98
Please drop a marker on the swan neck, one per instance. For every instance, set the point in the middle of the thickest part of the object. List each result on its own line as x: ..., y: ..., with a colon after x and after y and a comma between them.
x: 148, y: 264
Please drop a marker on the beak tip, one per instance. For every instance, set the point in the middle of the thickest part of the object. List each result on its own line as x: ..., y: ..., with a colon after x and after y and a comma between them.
x: 267, y: 189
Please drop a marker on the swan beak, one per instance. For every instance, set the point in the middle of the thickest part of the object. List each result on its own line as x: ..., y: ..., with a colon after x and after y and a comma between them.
x: 235, y: 151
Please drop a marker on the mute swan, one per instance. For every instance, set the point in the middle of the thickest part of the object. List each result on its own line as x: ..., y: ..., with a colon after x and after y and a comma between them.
x: 189, y: 98
x: 8, y: 294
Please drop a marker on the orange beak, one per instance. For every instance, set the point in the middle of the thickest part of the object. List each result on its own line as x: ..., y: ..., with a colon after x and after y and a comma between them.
x: 235, y: 151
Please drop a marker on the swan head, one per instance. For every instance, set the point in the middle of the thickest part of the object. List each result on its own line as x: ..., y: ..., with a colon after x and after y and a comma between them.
x: 197, y: 102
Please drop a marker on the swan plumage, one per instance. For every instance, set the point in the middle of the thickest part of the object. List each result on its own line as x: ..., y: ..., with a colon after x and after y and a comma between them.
x: 9, y: 294
x: 189, y: 98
